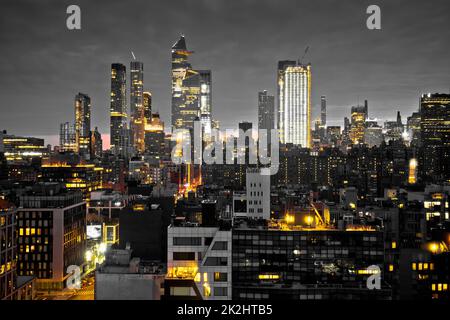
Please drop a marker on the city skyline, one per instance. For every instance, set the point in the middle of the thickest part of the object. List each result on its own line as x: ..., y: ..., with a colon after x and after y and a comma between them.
x: 273, y: 150
x: 390, y: 69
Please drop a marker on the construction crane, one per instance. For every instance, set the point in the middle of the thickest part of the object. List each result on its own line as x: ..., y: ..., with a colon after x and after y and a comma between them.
x: 300, y: 61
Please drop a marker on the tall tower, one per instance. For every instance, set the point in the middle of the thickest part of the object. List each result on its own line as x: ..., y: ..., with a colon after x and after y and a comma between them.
x: 148, y: 106
x: 323, y: 111
x: 185, y: 88
x: 118, y: 110
x: 266, y: 113
x: 205, y: 100
x: 83, y: 124
x: 294, y: 103
x: 137, y: 121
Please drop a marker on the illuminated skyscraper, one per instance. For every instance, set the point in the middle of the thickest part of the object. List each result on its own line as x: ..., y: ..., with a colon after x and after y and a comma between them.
x: 67, y: 138
x: 294, y: 103
x: 205, y: 100
x: 435, y: 136
x: 357, y: 126
x: 185, y: 88
x: 147, y: 106
x: 154, y: 136
x: 137, y: 113
x: 83, y: 124
x: 118, y: 110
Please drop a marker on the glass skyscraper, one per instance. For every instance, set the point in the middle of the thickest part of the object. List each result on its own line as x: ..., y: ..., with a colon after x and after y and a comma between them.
x: 185, y: 88
x: 118, y: 109
x: 137, y: 122
x: 294, y: 103
x: 83, y: 124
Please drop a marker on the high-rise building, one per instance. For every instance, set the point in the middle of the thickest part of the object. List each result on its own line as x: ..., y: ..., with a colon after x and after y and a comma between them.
x: 294, y: 103
x: 67, y: 138
x: 154, y: 137
x: 413, y: 128
x: 373, y: 134
x: 185, y: 88
x: 323, y: 111
x: 52, y: 234
x: 205, y: 100
x: 118, y: 110
x: 147, y: 96
x: 258, y: 194
x: 83, y: 124
x: 96, y: 143
x: 266, y: 113
x: 12, y: 286
x: 435, y: 136
x: 357, y: 126
x: 137, y: 111
x: 8, y: 250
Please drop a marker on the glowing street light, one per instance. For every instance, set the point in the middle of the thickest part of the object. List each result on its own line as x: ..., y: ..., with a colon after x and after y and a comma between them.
x: 309, y: 220
x: 88, y: 256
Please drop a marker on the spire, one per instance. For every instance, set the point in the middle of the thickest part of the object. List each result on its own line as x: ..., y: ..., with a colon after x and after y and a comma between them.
x: 399, y: 118
x: 180, y: 44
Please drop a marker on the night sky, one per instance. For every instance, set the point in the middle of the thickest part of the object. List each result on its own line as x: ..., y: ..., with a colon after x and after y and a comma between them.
x: 43, y: 65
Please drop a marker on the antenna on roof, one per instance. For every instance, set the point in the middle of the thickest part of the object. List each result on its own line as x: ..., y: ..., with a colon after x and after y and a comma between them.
x: 304, y: 54
x: 132, y: 53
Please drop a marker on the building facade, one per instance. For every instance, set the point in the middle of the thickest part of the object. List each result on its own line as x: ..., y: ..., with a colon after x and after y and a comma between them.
x: 435, y: 136
x: 266, y: 113
x: 51, y: 226
x: 83, y: 124
x: 118, y: 110
x: 294, y: 103
x: 137, y: 110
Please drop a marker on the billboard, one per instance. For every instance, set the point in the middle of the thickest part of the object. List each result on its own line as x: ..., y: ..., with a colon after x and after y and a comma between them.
x: 94, y: 232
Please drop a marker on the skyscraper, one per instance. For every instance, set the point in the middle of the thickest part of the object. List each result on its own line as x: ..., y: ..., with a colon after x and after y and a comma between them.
x: 56, y: 236
x: 118, y: 110
x: 205, y: 100
x: 147, y: 106
x: 83, y: 124
x: 266, y: 113
x: 96, y: 144
x: 137, y: 112
x: 294, y: 103
x: 357, y: 126
x: 435, y: 136
x: 185, y: 88
x: 323, y: 111
x: 67, y: 138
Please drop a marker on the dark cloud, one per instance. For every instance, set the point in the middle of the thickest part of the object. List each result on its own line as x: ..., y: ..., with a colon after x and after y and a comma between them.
x: 43, y: 65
